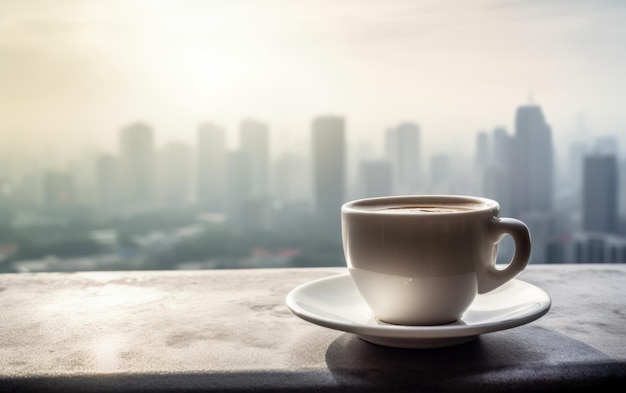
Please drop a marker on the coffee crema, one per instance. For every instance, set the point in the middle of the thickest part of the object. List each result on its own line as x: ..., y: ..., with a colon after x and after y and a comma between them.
x: 431, y: 208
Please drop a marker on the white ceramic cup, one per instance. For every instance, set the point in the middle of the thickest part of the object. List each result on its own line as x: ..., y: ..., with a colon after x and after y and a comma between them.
x: 421, y: 260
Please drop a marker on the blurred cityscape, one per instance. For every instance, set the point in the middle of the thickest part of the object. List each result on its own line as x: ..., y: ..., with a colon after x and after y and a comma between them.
x: 206, y: 206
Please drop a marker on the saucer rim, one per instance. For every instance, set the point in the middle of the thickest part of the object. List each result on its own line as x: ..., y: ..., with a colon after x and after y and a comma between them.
x: 542, y: 306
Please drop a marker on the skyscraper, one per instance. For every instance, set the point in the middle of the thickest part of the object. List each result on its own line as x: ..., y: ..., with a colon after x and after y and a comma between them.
x: 600, y: 194
x: 531, y: 178
x: 497, y: 178
x: 254, y: 143
x: 532, y: 164
x: 211, y: 158
x: 402, y: 150
x: 329, y: 166
x: 137, y: 164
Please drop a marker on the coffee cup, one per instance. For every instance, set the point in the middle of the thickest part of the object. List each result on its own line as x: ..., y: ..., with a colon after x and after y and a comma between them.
x: 422, y: 259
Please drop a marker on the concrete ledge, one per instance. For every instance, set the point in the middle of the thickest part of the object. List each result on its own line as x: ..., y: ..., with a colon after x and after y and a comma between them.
x: 229, y: 330
x: 601, y: 377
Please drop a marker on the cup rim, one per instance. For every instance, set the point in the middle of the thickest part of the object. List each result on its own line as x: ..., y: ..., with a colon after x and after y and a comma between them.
x: 353, y: 207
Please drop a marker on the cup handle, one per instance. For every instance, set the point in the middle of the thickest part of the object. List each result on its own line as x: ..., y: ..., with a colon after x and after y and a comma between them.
x: 490, y: 277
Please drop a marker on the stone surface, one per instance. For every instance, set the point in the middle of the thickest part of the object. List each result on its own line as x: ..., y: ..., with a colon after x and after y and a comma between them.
x: 229, y: 330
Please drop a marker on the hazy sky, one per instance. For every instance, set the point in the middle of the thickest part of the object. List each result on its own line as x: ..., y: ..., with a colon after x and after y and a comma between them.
x: 73, y: 72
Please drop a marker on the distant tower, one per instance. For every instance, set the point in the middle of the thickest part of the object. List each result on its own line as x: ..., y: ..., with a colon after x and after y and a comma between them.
x: 137, y: 164
x: 402, y: 150
x: 532, y: 163
x: 600, y: 194
x: 498, y: 177
x: 329, y: 166
x: 211, y: 168
x: 254, y: 142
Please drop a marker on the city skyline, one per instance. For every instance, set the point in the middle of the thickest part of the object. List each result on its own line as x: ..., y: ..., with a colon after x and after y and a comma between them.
x: 218, y: 191
x: 187, y: 173
x: 49, y: 157
x: 73, y: 73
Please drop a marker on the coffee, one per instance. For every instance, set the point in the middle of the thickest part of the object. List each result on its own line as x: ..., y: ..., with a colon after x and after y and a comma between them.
x: 432, y: 208
x: 429, y: 205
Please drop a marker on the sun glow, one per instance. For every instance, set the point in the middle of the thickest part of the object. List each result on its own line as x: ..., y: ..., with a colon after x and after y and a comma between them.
x: 88, y: 68
x: 205, y: 61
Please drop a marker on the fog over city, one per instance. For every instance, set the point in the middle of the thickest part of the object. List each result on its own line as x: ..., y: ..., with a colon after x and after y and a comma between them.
x: 119, y: 120
x: 72, y: 74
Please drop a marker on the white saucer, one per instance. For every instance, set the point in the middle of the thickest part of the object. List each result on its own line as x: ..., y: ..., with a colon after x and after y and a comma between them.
x: 335, y: 303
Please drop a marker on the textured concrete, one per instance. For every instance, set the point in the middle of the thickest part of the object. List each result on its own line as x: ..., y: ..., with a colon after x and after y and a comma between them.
x: 229, y: 330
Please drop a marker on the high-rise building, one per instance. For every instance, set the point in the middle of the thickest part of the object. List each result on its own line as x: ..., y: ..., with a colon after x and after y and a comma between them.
x: 374, y: 178
x: 254, y: 142
x: 138, y: 167
x: 211, y: 158
x: 497, y: 177
x: 600, y: 194
x: 329, y: 166
x: 402, y: 150
x: 532, y: 163
x: 531, y: 178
